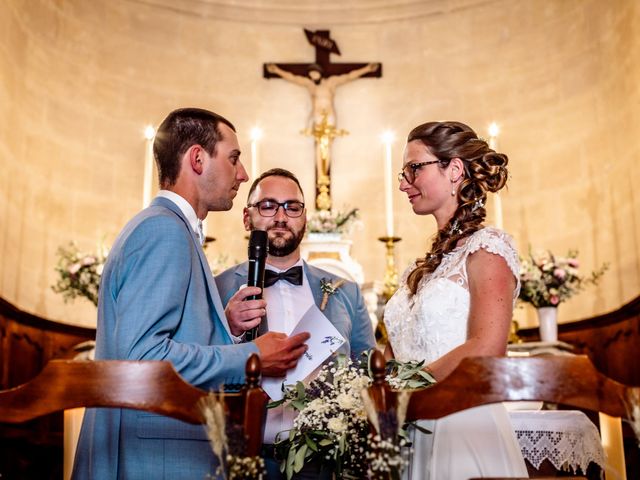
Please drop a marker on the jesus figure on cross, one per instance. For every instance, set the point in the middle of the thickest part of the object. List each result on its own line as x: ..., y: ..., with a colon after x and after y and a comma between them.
x: 321, y: 88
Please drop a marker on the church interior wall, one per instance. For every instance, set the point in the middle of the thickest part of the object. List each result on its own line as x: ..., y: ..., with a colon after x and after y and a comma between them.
x: 79, y: 81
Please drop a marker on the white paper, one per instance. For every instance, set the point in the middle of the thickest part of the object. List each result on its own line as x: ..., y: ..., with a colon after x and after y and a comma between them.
x: 325, y: 340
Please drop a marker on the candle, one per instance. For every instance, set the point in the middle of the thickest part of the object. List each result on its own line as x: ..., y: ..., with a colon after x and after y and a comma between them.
x: 256, y: 135
x: 494, y: 129
x: 612, y: 444
x: 387, y: 139
x: 147, y: 182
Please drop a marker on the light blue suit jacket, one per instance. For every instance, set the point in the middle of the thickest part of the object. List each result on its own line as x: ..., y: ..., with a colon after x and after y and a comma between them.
x: 158, y: 301
x: 345, y: 309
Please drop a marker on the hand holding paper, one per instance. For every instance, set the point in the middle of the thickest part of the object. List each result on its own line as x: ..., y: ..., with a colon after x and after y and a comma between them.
x: 325, y: 340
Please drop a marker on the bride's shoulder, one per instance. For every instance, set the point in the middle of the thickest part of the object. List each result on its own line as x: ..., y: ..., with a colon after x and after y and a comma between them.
x: 496, y: 241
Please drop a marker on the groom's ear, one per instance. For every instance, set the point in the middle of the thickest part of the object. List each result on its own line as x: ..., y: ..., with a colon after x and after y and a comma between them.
x: 195, y: 157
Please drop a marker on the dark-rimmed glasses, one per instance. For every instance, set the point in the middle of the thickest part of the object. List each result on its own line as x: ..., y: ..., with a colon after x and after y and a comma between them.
x: 409, y: 171
x: 269, y: 208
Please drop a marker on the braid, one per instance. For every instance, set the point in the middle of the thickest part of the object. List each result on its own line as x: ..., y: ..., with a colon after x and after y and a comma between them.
x: 484, y: 170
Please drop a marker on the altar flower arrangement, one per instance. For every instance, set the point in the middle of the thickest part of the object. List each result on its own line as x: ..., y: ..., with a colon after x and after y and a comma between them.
x: 332, y: 428
x: 548, y: 280
x: 332, y: 221
x: 79, y: 273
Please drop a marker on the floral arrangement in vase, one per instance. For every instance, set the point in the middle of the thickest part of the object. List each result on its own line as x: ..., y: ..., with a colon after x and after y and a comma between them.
x: 548, y: 280
x: 330, y: 221
x: 79, y: 273
x: 332, y: 426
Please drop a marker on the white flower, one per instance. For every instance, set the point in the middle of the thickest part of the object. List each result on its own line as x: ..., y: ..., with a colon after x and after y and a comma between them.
x: 345, y: 401
x: 336, y: 425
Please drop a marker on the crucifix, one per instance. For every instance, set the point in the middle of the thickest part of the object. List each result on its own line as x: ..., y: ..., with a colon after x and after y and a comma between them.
x: 321, y: 80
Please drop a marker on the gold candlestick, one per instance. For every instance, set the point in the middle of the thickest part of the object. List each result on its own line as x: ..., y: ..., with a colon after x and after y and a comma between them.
x: 391, y: 272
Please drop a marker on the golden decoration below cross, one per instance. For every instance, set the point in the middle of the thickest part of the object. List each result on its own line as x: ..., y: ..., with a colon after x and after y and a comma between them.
x: 323, y: 133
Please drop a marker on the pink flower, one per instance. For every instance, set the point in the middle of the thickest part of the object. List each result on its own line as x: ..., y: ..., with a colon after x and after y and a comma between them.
x: 574, y: 262
x: 555, y: 300
x: 73, y: 269
x: 559, y: 273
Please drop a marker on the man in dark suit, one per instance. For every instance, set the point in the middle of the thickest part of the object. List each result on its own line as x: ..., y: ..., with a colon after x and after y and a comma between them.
x: 276, y: 204
x: 159, y: 301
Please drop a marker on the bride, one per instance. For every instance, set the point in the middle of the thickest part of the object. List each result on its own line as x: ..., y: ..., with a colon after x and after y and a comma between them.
x: 458, y: 300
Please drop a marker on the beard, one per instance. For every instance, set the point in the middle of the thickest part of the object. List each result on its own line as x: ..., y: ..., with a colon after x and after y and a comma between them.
x: 280, y: 246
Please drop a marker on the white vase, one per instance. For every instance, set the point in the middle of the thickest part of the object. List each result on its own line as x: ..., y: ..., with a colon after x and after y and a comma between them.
x: 548, y: 321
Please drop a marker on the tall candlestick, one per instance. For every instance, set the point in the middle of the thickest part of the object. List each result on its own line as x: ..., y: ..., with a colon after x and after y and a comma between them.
x: 147, y: 182
x: 494, y: 130
x: 387, y: 139
x: 256, y: 135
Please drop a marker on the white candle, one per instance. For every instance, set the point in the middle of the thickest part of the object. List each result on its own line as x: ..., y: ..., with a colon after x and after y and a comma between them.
x: 494, y: 130
x: 387, y: 139
x: 256, y: 135
x: 147, y: 182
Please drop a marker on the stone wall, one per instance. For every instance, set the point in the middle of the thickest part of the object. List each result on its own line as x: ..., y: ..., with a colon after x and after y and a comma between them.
x: 80, y: 80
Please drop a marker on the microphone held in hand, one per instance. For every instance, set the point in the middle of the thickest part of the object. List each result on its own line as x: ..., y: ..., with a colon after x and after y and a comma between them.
x: 258, y: 250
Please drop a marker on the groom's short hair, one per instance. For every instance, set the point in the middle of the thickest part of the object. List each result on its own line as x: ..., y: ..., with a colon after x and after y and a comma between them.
x: 181, y: 129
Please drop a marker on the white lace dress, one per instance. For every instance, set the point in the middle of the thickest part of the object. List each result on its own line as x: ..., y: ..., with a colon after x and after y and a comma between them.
x: 475, y: 442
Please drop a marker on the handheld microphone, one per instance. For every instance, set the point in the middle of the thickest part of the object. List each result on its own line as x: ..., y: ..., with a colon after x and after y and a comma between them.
x: 258, y: 249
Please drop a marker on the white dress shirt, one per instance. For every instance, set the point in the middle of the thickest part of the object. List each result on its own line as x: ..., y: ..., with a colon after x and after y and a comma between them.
x: 286, y: 303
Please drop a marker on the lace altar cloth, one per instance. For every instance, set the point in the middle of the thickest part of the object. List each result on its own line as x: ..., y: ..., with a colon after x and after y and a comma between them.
x: 568, y: 439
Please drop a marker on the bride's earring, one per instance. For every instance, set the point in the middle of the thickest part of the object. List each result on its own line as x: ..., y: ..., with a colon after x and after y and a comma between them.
x: 453, y: 188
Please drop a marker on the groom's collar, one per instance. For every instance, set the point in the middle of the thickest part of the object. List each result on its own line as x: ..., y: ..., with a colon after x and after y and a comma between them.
x: 184, y: 206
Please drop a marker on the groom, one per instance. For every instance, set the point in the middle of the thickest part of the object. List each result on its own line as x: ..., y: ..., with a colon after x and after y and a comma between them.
x: 276, y: 204
x: 159, y: 301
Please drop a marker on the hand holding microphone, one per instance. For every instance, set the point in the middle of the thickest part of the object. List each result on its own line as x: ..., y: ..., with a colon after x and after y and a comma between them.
x: 246, y: 309
x: 258, y: 248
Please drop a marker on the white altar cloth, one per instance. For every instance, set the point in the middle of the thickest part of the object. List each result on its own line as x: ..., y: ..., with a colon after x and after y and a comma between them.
x: 567, y: 438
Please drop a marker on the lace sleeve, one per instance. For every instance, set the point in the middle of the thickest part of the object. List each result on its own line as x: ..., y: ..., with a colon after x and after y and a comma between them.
x: 500, y: 243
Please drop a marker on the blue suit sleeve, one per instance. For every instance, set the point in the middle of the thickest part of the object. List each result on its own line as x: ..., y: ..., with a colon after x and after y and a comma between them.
x: 163, y: 310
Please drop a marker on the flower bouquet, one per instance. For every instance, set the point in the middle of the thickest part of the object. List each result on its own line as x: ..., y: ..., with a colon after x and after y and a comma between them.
x: 332, y: 429
x: 547, y: 280
x: 326, y: 221
x: 79, y: 273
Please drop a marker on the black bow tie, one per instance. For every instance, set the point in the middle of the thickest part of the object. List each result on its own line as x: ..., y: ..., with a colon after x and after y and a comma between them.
x: 293, y: 276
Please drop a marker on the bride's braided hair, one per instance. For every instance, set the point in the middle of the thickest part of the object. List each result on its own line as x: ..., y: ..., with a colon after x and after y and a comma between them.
x: 484, y: 170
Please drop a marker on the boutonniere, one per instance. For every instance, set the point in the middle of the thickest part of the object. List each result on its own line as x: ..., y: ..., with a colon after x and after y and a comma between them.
x: 328, y: 289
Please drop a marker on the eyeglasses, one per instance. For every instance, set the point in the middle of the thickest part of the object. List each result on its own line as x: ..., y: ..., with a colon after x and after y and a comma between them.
x: 409, y: 171
x: 269, y: 208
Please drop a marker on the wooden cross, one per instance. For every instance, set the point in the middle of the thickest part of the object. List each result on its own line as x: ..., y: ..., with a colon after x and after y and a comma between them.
x: 324, y: 46
x: 321, y: 80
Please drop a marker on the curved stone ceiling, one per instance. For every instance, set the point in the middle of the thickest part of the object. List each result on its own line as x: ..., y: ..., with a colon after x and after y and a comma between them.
x: 296, y: 12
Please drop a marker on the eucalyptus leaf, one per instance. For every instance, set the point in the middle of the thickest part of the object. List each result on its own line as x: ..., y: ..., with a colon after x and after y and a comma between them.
x: 299, y: 458
x: 310, y: 443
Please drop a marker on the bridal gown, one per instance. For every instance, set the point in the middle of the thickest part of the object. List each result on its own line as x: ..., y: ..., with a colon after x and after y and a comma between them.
x: 475, y: 442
